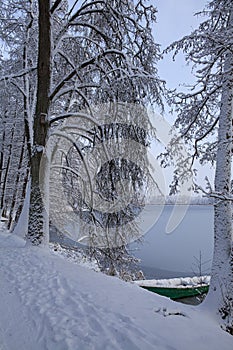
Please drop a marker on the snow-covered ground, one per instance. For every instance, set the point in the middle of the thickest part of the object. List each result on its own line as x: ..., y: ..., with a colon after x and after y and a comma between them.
x: 50, y: 302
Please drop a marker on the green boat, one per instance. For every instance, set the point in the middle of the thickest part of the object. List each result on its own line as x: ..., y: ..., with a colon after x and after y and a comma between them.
x: 177, y: 288
x: 178, y: 293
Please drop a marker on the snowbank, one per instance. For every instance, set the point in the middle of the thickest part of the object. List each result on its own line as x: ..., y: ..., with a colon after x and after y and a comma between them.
x: 48, y: 302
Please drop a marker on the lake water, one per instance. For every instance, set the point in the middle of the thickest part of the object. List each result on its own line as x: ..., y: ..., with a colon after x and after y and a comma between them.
x: 172, y: 255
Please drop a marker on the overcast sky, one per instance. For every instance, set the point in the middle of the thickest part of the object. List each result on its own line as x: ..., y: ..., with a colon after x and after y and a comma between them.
x: 175, y: 19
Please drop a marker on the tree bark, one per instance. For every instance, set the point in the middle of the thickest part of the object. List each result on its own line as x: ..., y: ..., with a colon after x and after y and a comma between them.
x: 221, y: 286
x: 3, y: 204
x: 16, y: 187
x: 38, y: 215
x: 2, y: 153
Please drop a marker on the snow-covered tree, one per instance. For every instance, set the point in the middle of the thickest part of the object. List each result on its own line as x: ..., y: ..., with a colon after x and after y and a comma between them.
x: 67, y: 58
x: 103, y: 51
x: 13, y: 160
x: 102, y: 167
x: 202, y: 111
x: 18, y: 87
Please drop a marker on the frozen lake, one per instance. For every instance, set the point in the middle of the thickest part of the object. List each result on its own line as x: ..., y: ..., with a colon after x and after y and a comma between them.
x: 170, y: 255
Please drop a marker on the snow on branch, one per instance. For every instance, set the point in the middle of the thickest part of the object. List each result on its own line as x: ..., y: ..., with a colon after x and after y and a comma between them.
x: 18, y: 75
x: 81, y: 11
x: 78, y: 114
x: 209, y: 192
x: 55, y: 6
x: 81, y: 66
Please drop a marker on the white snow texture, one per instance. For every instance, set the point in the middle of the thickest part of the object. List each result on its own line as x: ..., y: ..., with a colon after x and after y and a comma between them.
x: 48, y: 302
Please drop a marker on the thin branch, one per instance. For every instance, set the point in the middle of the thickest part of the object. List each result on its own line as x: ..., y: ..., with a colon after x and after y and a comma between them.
x: 83, y: 65
x: 19, y: 75
x: 204, y: 135
x: 79, y: 11
x: 55, y: 6
x: 199, y: 110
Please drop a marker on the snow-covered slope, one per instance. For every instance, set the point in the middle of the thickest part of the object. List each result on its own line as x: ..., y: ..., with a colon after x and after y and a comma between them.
x: 48, y: 302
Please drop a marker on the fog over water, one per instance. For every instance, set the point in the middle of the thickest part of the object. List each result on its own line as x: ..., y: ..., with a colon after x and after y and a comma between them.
x: 170, y: 255
x: 165, y: 255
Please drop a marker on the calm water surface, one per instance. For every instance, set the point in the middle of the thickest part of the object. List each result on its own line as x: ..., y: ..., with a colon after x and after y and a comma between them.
x: 169, y: 255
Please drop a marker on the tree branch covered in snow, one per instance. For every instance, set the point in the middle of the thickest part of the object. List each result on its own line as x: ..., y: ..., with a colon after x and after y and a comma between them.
x: 202, y: 111
x: 102, y: 52
x: 198, y: 109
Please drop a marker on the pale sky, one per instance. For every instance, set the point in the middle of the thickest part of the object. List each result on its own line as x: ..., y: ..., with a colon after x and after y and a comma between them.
x: 175, y: 19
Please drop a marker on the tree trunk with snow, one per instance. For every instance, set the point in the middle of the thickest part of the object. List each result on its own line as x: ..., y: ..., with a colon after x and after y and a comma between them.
x: 38, y: 215
x: 207, y: 105
x: 221, y: 287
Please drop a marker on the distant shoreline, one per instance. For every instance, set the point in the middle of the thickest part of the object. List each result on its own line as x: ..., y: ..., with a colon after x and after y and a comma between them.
x: 171, y: 204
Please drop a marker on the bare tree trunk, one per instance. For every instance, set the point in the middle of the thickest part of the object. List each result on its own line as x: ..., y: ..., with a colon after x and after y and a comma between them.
x: 3, y: 204
x: 15, y: 192
x: 38, y: 217
x: 221, y: 287
x: 2, y: 165
x: 23, y: 196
